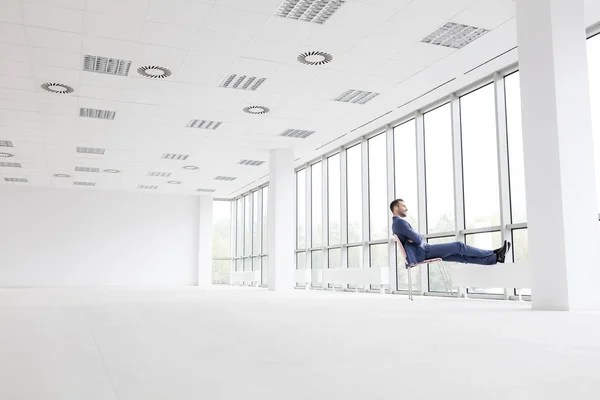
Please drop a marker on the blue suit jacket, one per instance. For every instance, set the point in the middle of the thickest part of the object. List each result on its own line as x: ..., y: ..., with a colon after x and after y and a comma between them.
x: 415, y: 251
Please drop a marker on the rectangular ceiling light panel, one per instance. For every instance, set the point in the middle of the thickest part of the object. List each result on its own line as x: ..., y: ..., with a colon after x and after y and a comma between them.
x: 297, y: 133
x: 203, y: 124
x: 356, y: 96
x: 10, y: 164
x: 454, y: 35
x: 87, y: 169
x: 76, y: 183
x: 160, y: 174
x: 171, y: 156
x: 225, y: 178
x: 98, y: 114
x: 252, y: 163
x: 6, y: 143
x: 242, y: 82
x: 316, y: 11
x: 205, y: 190
x: 106, y: 65
x: 150, y: 187
x: 20, y: 180
x: 90, y: 150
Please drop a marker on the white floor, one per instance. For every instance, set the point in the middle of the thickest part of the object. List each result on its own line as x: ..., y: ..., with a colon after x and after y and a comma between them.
x: 227, y: 343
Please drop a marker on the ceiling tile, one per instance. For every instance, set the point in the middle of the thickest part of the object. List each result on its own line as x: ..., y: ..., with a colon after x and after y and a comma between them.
x: 270, y: 51
x: 268, y: 7
x: 178, y: 12
x: 55, y: 58
x: 53, y: 74
x: 361, y: 17
x: 64, y: 19
x: 122, y: 27
x: 10, y: 11
x: 117, y: 7
x: 169, y: 57
x: 220, y: 42
x: 12, y: 82
x: 424, y: 54
x: 487, y: 13
x: 12, y: 68
x: 285, y: 31
x: 74, y: 4
x: 169, y: 35
x: 13, y: 52
x: 66, y: 41
x: 113, y: 48
x: 224, y: 19
x: 11, y: 33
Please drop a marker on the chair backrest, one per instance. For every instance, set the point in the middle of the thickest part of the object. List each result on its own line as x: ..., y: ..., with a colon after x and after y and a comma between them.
x: 401, y: 250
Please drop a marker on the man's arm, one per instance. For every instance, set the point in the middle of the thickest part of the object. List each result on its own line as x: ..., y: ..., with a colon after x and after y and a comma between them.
x: 404, y: 229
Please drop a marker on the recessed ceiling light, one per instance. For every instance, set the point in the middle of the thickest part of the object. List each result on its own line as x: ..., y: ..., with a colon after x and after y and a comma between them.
x: 59, y: 88
x: 242, y: 82
x: 112, y: 171
x: 454, y: 35
x: 297, y: 133
x: 77, y: 183
x: 356, y: 96
x: 87, y: 169
x: 315, y: 58
x: 203, y: 124
x: 252, y: 163
x: 150, y: 187
x: 90, y: 150
x: 256, y: 110
x: 160, y: 174
x: 11, y: 165
x: 6, y: 143
x: 205, y: 190
x: 190, y: 167
x: 154, y: 71
x: 62, y: 176
x: 20, y: 180
x: 98, y: 114
x: 174, y: 183
x: 171, y: 156
x: 309, y: 10
x: 225, y: 178
x: 5, y: 155
x: 106, y: 65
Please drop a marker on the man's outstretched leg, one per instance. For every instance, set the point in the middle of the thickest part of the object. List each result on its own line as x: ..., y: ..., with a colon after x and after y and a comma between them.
x: 460, y: 252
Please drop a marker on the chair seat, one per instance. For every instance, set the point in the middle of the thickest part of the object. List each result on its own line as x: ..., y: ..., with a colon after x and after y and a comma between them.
x: 431, y: 260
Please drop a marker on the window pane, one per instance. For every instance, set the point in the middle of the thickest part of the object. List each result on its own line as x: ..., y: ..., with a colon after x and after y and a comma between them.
x: 486, y: 241
x: 379, y: 258
x: 247, y: 264
x: 301, y: 208
x: 221, y: 271
x: 301, y: 260
x: 255, y: 241
x: 240, y: 228
x: 239, y: 264
x: 317, y: 268
x: 378, y: 202
x: 593, y: 52
x: 264, y: 269
x: 439, y: 170
x: 520, y: 247
x: 247, y: 226
x: 436, y: 283
x: 221, y: 229
x: 333, y: 201
x: 335, y: 258
x: 355, y: 257
x: 265, y: 197
x: 515, y: 148
x: 405, y: 164
x: 317, y: 205
x: 354, y: 187
x: 256, y: 264
x: 480, y: 158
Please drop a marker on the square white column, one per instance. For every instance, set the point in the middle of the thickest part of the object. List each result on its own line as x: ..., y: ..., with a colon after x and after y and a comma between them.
x: 558, y: 151
x: 281, y: 220
x: 205, y: 240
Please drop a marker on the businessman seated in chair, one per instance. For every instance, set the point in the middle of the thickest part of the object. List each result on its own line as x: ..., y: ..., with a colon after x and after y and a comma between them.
x: 417, y: 250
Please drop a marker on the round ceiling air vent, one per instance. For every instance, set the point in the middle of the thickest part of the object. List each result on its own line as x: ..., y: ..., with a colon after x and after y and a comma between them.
x: 5, y: 155
x: 256, y: 110
x: 112, y: 171
x: 174, y: 183
x: 154, y: 71
x: 190, y: 167
x: 315, y: 58
x: 62, y: 175
x: 59, y: 88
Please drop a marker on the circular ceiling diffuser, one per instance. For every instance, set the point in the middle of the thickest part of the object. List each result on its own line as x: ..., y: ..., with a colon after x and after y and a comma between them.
x: 315, y: 58
x: 5, y: 155
x: 154, y: 71
x: 190, y: 167
x: 257, y: 110
x: 174, y: 183
x: 62, y: 175
x: 59, y: 88
x: 112, y: 171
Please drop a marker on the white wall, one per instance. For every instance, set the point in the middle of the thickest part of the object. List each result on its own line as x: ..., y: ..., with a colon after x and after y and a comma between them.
x: 54, y: 237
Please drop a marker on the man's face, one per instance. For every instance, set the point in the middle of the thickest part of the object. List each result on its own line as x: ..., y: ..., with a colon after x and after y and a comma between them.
x: 402, y: 209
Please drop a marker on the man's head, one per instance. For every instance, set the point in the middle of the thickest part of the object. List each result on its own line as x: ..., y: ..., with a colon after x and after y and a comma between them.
x: 398, y: 208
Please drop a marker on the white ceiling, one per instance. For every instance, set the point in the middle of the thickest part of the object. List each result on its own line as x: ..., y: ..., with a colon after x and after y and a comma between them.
x: 375, y: 46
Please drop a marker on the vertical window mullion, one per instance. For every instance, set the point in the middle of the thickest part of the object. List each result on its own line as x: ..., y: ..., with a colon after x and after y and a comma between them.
x: 459, y: 201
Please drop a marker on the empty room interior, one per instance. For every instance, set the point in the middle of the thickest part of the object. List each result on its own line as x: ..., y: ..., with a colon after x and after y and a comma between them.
x: 299, y: 199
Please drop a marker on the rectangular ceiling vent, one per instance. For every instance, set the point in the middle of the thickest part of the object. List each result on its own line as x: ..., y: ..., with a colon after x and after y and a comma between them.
x: 251, y: 163
x: 316, y: 11
x: 6, y: 143
x: 205, y: 190
x: 203, y: 124
x: 20, y: 180
x: 77, y: 183
x: 106, y: 65
x: 96, y: 113
x: 160, y: 174
x: 149, y: 187
x: 11, y: 164
x: 454, y: 35
x: 170, y: 156
x: 87, y: 169
x: 356, y: 96
x: 90, y: 150
x: 297, y: 133
x: 225, y: 178
x: 242, y: 82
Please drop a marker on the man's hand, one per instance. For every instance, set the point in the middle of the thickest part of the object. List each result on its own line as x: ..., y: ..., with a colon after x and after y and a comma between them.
x: 410, y: 241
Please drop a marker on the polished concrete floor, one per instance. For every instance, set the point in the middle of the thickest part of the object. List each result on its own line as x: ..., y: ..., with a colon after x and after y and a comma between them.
x: 231, y: 343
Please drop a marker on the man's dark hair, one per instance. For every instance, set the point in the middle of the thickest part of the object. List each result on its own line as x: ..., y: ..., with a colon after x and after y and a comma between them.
x: 394, y: 204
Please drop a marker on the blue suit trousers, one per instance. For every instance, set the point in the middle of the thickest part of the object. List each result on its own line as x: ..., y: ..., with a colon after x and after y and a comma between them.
x: 461, y: 253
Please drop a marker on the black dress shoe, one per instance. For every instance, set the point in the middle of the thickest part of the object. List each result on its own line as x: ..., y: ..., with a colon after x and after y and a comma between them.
x: 501, y: 254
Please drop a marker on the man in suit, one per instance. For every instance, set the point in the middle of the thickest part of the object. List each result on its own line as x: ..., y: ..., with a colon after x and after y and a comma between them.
x: 417, y: 250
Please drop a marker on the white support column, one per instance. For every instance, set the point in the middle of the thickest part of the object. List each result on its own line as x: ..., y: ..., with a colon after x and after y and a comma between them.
x: 459, y: 207
x: 344, y: 205
x: 365, y: 202
x: 205, y: 241
x: 391, y: 195
x: 282, y: 190
x: 421, y: 192
x: 558, y: 152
